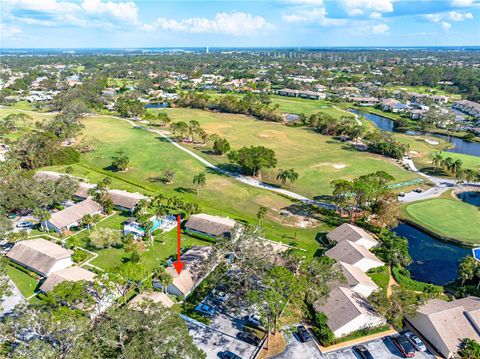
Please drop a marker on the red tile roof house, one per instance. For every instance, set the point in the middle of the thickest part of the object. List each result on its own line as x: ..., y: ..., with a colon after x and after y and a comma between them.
x: 41, y: 256
x: 71, y: 216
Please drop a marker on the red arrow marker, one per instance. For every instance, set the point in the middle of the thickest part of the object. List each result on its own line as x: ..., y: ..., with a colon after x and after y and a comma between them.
x: 178, y: 264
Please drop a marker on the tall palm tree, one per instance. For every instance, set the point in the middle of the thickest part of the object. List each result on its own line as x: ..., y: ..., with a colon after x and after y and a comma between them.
x: 447, y: 163
x: 456, y: 166
x: 437, y: 159
x: 292, y: 176
x: 193, y: 126
x: 282, y: 176
x: 200, y: 180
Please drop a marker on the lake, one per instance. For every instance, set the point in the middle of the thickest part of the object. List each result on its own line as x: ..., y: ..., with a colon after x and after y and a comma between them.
x: 470, y: 197
x: 156, y: 105
x: 386, y: 124
x: 434, y: 261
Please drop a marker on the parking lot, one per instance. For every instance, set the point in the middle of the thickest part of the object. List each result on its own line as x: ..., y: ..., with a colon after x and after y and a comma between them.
x: 380, y: 349
x: 222, y: 332
x: 213, y: 342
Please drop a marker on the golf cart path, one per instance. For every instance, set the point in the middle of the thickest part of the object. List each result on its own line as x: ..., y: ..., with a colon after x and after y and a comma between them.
x: 241, y: 178
x: 350, y: 113
x: 441, y: 184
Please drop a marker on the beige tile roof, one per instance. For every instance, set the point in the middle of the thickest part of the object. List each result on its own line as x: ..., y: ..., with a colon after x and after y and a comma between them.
x: 450, y: 320
x: 73, y: 274
x: 125, y: 199
x: 38, y: 254
x: 348, y: 232
x: 191, y: 274
x: 355, y: 276
x: 213, y: 225
x: 156, y: 297
x: 74, y: 213
x: 350, y: 253
x: 342, y: 306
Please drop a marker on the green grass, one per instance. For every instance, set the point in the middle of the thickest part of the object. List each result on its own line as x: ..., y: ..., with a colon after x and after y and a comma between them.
x: 446, y: 217
x: 25, y: 283
x: 150, y: 156
x: 380, y: 277
x: 315, y: 157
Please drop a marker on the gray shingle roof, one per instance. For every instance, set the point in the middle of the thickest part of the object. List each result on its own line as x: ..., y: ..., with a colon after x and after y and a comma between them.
x: 73, y: 274
x: 350, y: 253
x: 348, y: 232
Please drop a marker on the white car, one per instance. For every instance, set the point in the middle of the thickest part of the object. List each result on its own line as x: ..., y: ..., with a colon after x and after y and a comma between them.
x: 416, y: 342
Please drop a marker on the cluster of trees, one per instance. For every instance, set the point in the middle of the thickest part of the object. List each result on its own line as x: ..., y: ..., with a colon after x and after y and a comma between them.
x: 330, y: 126
x: 129, y: 106
x: 87, y: 96
x: 287, y: 175
x: 257, y: 105
x: 454, y: 167
x: 253, y: 159
x: 120, y: 161
x: 385, y: 144
x: 56, y: 331
x: 469, y: 276
x: 366, y: 194
x: 189, y: 130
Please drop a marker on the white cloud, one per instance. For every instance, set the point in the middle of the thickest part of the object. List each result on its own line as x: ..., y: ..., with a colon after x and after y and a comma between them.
x: 236, y: 23
x: 8, y: 31
x: 375, y: 15
x: 360, y: 7
x: 380, y: 28
x: 444, y: 18
x: 462, y: 3
x: 316, y: 15
x: 94, y: 13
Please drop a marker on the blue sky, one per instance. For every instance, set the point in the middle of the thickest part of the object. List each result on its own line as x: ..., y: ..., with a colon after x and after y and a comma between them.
x: 124, y: 24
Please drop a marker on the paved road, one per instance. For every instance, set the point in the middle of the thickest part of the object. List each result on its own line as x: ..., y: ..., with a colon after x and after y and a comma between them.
x: 11, y: 301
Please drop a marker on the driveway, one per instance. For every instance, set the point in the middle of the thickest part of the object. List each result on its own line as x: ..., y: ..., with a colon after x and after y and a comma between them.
x: 213, y: 342
x: 296, y: 349
x: 11, y: 301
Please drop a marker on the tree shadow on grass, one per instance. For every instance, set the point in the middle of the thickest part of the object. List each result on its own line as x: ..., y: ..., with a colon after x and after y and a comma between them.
x: 184, y: 190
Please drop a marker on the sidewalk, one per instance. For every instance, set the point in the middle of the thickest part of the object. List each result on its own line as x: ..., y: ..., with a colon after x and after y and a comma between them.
x: 356, y: 341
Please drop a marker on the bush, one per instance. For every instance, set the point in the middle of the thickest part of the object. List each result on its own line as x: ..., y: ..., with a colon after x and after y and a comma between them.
x: 79, y: 256
x: 402, y: 276
x: 65, y: 156
x: 321, y: 329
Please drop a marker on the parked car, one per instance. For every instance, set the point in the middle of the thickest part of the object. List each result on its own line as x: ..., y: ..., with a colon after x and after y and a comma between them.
x: 254, y: 319
x: 24, y: 224
x: 303, y: 334
x: 416, y: 341
x: 219, y: 296
x: 362, y: 352
x: 249, y: 338
x: 401, y: 194
x: 205, y: 310
x: 418, y: 190
x: 404, y: 345
x: 229, y: 355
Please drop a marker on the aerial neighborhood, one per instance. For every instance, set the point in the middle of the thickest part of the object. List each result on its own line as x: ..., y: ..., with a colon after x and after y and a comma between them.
x: 239, y: 202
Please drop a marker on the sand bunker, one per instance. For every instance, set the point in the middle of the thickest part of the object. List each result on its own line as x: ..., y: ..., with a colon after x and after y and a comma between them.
x: 339, y: 166
x: 431, y: 142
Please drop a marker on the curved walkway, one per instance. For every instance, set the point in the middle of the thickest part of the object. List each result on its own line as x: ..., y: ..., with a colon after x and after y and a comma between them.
x: 350, y: 113
x: 241, y: 178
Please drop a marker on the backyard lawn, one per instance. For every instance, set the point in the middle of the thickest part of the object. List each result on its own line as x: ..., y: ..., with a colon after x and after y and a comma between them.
x: 25, y: 283
x: 446, y: 217
x: 318, y: 159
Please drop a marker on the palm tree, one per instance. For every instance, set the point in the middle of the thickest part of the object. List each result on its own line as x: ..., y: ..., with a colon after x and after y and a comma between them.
x: 282, y: 176
x: 292, y: 176
x: 262, y: 212
x: 87, y: 220
x: 193, y: 126
x: 447, y: 163
x: 437, y: 160
x: 43, y: 216
x: 456, y: 166
x: 200, y: 180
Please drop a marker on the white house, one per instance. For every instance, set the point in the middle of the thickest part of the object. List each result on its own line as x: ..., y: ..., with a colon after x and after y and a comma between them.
x: 347, y: 312
x: 354, y: 254
x: 354, y: 234
x: 71, y: 216
x: 444, y: 324
x: 41, y: 256
x: 357, y: 280
x: 193, y: 273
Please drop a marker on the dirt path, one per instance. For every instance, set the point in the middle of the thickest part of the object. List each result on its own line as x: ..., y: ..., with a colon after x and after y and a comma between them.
x: 391, y: 282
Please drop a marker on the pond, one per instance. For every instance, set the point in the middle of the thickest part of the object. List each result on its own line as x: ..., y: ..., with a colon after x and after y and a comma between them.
x: 470, y: 197
x: 434, y: 261
x: 386, y: 124
x: 156, y: 105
